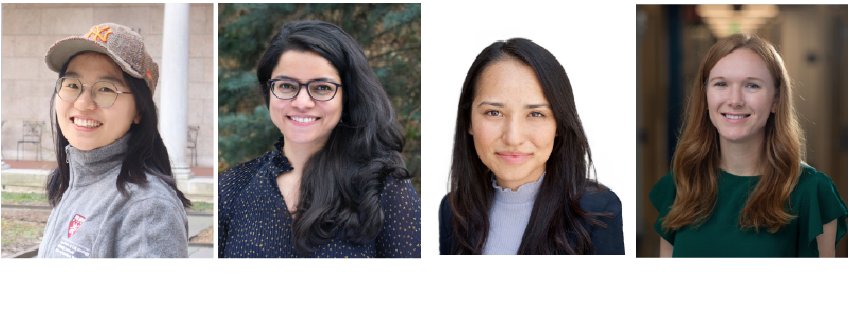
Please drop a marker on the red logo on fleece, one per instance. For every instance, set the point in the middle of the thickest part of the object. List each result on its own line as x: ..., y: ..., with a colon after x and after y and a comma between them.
x: 75, y: 224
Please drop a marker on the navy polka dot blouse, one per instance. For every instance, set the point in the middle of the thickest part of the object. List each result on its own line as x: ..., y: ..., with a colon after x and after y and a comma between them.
x: 253, y: 220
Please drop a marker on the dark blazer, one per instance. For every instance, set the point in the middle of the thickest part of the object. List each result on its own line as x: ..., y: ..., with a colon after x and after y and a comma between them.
x: 606, y: 241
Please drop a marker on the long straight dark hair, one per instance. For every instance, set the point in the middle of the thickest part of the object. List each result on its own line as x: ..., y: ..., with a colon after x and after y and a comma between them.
x: 558, y: 225
x: 342, y: 182
x: 146, y: 153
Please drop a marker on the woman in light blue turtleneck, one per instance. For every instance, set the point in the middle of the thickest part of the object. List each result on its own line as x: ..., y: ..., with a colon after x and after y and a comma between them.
x: 509, y: 217
x: 520, y: 181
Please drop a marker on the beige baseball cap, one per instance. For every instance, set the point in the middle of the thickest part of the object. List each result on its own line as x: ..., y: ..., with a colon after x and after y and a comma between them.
x: 119, y: 42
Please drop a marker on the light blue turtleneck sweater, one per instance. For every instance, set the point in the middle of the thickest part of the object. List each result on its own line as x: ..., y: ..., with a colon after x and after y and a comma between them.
x: 509, y: 216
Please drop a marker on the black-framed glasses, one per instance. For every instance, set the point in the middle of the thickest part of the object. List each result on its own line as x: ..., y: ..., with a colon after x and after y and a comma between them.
x: 103, y: 93
x: 317, y: 89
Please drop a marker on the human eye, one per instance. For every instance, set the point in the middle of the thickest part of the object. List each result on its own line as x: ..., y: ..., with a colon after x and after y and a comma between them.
x: 720, y: 84
x: 69, y: 83
x: 285, y: 85
x: 536, y: 114
x: 492, y: 113
x: 322, y: 88
x: 105, y: 89
x: 753, y: 86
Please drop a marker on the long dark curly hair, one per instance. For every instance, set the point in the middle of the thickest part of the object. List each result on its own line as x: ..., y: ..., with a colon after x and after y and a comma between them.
x: 341, y: 183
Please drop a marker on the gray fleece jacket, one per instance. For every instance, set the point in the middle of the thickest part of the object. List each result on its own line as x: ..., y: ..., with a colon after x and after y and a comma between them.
x: 94, y: 219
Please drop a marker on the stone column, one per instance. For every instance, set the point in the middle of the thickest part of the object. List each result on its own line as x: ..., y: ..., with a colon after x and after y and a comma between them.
x: 174, y: 87
x: 3, y: 164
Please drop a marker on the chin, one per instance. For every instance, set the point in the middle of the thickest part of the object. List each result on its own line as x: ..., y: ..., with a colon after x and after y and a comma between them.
x: 297, y: 138
x: 512, y: 175
x: 733, y: 137
x: 81, y: 146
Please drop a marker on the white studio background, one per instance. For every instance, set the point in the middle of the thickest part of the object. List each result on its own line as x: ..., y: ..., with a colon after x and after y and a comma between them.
x: 598, y: 57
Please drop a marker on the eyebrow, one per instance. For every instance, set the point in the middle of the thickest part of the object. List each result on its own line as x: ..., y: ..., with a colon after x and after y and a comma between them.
x: 316, y: 79
x: 529, y: 106
x: 747, y: 78
x: 103, y: 78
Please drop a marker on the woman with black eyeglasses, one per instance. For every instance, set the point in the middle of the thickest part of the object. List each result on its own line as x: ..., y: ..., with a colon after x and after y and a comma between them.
x: 335, y: 185
x: 112, y: 193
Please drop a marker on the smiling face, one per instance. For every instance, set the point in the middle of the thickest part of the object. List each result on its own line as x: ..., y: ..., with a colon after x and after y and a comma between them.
x: 86, y: 125
x: 741, y: 95
x: 512, y: 123
x: 302, y: 120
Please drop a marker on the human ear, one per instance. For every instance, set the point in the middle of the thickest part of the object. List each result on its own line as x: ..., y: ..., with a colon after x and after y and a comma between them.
x: 774, y: 104
x: 137, y: 119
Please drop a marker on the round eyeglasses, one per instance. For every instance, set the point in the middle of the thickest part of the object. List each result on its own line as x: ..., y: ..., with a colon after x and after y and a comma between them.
x: 317, y: 89
x: 103, y: 93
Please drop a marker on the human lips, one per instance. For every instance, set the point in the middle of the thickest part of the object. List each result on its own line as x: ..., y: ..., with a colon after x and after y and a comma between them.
x: 735, y: 118
x: 85, y: 122
x: 513, y: 157
x: 303, y: 119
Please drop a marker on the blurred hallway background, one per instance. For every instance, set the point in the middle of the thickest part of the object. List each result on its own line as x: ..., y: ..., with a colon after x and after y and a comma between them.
x: 670, y: 43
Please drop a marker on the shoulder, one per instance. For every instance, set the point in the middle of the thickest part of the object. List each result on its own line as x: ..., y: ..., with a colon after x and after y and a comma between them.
x: 154, y: 195
x: 235, y: 179
x: 242, y: 173
x: 663, y: 185
x: 399, y: 194
x: 817, y: 202
x: 445, y: 216
x: 153, y: 226
x: 445, y: 211
x: 153, y: 190
x: 399, y: 186
x: 663, y: 192
x: 446, y: 232
x: 606, y: 207
x: 154, y: 212
x: 814, y: 186
x: 809, y: 177
x: 600, y: 199
x: 392, y: 183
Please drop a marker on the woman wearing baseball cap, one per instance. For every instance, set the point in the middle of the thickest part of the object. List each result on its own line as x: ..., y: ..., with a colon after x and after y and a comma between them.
x: 113, y: 194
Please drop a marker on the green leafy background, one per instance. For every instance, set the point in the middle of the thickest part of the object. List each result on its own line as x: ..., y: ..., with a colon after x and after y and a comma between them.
x: 389, y: 34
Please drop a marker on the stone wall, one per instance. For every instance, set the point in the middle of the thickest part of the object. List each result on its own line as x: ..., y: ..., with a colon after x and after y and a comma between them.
x: 27, y: 84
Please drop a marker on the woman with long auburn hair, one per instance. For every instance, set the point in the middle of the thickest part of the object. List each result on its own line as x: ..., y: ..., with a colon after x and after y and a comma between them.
x: 520, y: 173
x: 739, y: 185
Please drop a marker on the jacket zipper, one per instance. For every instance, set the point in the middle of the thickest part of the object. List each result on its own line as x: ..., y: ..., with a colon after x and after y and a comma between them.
x: 54, y: 241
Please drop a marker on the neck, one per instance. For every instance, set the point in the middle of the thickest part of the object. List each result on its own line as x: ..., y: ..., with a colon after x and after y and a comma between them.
x: 514, y: 185
x: 299, y: 153
x: 522, y: 194
x: 741, y: 159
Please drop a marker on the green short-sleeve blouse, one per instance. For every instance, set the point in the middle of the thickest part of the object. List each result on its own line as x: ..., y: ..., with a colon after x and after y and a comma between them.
x: 815, y: 202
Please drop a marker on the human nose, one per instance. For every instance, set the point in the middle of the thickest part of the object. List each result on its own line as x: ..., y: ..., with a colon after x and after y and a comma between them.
x: 514, y: 133
x: 84, y: 101
x: 737, y: 99
x: 302, y: 98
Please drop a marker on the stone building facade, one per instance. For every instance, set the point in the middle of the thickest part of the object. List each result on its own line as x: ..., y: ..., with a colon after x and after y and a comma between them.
x: 27, y: 84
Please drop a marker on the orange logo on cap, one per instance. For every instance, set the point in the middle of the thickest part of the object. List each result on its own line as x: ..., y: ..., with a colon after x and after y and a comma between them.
x: 149, y: 75
x: 101, y: 34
